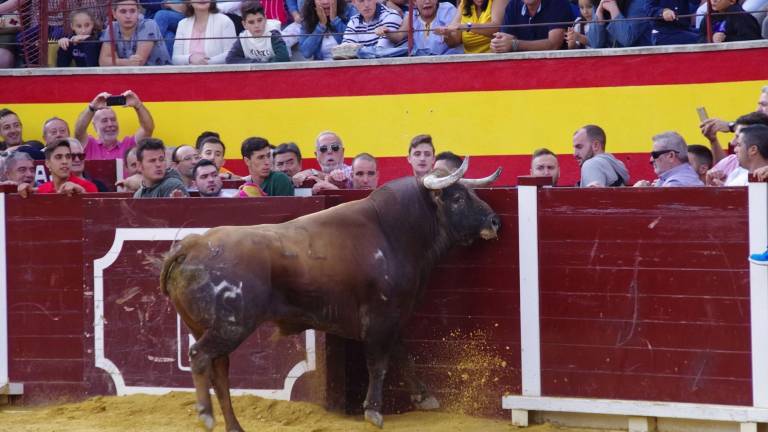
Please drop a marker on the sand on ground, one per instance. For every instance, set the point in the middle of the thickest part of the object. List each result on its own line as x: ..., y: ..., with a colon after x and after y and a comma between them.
x: 175, y: 412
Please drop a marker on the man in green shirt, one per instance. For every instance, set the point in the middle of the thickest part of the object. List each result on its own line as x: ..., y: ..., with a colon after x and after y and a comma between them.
x: 261, y: 179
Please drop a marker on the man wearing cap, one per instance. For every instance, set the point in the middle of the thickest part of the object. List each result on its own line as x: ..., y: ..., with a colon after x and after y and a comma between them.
x: 669, y: 158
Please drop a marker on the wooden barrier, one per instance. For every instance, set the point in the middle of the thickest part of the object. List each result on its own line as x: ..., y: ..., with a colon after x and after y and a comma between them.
x: 634, y: 301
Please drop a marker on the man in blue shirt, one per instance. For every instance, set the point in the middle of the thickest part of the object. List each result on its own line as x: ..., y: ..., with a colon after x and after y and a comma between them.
x: 537, y: 37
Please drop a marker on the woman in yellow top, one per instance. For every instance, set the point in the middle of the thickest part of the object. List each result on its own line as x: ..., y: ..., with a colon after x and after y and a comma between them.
x: 486, y: 15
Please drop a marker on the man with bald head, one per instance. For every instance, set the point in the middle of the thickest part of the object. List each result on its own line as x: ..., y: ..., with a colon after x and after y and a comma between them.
x: 55, y: 129
x: 108, y: 146
x: 329, y: 151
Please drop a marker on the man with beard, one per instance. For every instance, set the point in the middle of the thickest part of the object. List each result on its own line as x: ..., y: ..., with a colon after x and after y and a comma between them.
x: 598, y: 168
x: 207, y: 180
x: 107, y: 146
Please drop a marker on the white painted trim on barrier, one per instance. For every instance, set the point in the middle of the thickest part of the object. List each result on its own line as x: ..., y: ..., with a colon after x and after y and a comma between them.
x: 123, y: 235
x: 758, y: 292
x: 530, y: 347
x: 4, y: 380
x: 677, y: 410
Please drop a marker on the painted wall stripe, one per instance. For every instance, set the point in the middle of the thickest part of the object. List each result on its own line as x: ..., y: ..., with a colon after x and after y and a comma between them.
x: 653, y: 68
x: 758, y: 292
x: 530, y: 337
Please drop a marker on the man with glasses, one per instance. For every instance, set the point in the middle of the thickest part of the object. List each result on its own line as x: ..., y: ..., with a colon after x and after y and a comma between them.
x: 598, y: 168
x: 329, y: 151
x: 184, y: 158
x: 669, y: 158
x: 58, y: 160
x: 77, y: 166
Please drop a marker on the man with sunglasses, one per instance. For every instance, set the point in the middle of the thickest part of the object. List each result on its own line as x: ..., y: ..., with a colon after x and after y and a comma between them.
x: 58, y: 160
x: 329, y: 151
x: 77, y: 166
x: 669, y: 158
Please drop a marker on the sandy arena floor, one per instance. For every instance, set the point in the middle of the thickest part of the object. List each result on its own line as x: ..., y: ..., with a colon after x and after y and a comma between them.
x: 175, y: 412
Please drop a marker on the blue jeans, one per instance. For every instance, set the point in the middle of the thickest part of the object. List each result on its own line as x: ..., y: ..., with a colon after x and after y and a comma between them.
x: 167, y: 20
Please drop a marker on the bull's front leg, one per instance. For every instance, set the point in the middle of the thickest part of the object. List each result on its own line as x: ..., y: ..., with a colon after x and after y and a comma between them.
x: 420, y: 396
x: 377, y: 360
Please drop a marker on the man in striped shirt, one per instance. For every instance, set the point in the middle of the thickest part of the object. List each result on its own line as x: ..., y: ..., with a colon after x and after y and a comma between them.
x: 361, y: 28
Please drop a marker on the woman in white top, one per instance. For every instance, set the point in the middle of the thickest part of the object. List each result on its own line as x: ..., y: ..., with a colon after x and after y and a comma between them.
x: 204, y: 36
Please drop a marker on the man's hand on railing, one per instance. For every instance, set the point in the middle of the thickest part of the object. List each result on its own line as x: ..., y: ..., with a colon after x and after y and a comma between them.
x: 503, y: 42
x: 669, y: 15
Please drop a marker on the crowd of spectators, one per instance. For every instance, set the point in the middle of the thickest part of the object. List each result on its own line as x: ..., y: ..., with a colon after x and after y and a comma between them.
x: 152, y: 169
x: 161, y: 32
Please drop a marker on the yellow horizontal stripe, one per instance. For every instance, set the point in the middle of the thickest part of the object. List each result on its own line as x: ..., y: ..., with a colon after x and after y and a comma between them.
x: 478, y: 123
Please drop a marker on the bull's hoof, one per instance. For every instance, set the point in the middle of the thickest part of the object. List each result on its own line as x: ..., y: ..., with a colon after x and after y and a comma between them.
x: 206, y: 419
x: 429, y: 403
x: 375, y: 418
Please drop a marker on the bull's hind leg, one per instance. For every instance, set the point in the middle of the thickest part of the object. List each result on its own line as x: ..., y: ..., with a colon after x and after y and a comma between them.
x: 200, y: 362
x: 209, y: 358
x: 221, y: 385
x: 420, y: 396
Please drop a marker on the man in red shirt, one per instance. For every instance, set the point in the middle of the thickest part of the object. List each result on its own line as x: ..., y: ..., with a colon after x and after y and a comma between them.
x: 58, y: 159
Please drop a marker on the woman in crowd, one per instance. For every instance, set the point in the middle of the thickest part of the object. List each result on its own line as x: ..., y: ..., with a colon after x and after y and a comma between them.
x: 325, y: 22
x: 204, y: 37
x: 138, y: 40
x: 611, y: 29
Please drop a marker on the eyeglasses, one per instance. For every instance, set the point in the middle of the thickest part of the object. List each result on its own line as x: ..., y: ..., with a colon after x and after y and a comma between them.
x: 334, y: 147
x: 78, y: 156
x: 194, y: 157
x: 657, y: 153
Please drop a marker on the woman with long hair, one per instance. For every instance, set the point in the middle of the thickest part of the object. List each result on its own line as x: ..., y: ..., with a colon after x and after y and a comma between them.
x: 325, y: 22
x: 204, y: 36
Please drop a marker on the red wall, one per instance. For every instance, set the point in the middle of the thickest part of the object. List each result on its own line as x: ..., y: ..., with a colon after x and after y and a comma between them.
x: 644, y: 295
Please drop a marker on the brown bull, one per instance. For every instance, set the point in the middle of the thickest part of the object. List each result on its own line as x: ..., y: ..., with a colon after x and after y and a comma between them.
x: 355, y: 270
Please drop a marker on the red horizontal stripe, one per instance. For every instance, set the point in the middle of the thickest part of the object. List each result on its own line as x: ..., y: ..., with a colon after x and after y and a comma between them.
x: 480, y: 166
x: 595, y: 71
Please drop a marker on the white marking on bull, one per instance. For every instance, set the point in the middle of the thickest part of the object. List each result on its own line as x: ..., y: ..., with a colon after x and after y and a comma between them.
x: 378, y: 255
x: 229, y: 293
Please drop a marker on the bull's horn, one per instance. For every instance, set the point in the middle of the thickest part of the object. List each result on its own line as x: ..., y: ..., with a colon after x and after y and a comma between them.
x: 482, y: 182
x: 433, y: 182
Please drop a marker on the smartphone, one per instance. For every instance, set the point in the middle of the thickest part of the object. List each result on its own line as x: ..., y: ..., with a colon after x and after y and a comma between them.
x: 115, y: 100
x: 702, y: 113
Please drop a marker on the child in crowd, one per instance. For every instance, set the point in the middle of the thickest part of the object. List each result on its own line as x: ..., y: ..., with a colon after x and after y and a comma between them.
x: 84, y: 46
x: 261, y: 41
x: 734, y: 25
x: 576, y: 36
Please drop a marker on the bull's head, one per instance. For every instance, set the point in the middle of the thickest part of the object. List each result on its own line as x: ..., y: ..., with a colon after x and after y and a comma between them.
x: 466, y: 215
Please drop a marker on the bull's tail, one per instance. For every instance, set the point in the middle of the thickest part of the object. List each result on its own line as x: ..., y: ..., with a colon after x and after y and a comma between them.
x: 173, y: 259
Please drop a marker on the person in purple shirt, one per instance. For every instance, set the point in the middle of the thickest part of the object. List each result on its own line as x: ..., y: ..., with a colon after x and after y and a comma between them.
x: 108, y: 146
x: 669, y: 158
x: 519, y: 13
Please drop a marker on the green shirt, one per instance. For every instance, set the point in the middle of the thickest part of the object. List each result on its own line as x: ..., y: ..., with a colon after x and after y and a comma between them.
x: 277, y: 184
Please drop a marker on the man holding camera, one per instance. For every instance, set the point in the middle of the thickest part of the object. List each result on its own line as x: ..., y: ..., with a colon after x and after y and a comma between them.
x: 107, y: 146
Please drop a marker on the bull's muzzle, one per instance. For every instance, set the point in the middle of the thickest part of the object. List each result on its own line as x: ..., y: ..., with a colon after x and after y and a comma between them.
x: 491, y: 229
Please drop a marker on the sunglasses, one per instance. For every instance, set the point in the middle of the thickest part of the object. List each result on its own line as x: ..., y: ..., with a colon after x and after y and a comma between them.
x: 658, y: 153
x: 334, y: 147
x: 78, y: 156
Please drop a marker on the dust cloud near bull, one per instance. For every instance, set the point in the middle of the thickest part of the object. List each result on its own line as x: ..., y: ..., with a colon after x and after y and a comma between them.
x: 355, y: 270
